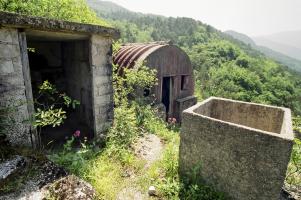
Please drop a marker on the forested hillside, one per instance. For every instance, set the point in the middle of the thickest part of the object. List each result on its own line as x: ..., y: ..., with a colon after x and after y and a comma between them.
x: 223, y: 66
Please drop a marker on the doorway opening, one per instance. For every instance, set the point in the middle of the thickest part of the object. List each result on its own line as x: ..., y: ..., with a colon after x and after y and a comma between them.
x: 64, y: 62
x: 166, y: 93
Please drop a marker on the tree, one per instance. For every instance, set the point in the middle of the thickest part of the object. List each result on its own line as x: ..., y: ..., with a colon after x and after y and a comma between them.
x: 70, y: 10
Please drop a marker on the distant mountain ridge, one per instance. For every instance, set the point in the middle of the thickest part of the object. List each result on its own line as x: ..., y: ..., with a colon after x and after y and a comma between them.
x: 290, y: 62
x: 242, y: 37
x: 288, y: 43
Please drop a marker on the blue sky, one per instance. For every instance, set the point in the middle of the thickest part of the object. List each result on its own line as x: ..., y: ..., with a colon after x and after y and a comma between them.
x: 252, y: 17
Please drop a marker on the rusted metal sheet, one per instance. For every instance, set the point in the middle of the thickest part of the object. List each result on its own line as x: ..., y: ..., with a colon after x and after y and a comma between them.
x: 128, y: 54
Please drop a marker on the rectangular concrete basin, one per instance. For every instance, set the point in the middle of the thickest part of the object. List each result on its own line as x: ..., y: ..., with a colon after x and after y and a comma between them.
x: 243, y: 148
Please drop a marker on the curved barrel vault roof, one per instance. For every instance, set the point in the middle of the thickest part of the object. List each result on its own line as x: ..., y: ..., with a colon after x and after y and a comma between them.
x: 131, y: 53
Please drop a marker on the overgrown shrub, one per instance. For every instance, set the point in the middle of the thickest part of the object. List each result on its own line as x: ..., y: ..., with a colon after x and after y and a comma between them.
x: 293, y: 177
x: 74, y: 158
x: 297, y: 123
x: 51, y: 106
x: 70, y: 10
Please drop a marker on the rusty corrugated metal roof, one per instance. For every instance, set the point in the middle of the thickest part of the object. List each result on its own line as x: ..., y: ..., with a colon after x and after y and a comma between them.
x: 130, y: 53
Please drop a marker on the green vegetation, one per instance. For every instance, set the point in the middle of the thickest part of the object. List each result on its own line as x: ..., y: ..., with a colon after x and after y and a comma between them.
x: 70, y: 10
x: 294, y: 169
x: 51, y: 106
x: 117, y: 163
x: 297, y: 124
x: 223, y: 66
x: 293, y: 177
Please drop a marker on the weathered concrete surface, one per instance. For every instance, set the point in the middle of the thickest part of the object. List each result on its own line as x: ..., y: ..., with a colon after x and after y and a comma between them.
x: 183, y: 104
x: 243, y: 148
x: 12, y: 88
x: 79, y: 80
x: 40, y: 23
x: 102, y: 86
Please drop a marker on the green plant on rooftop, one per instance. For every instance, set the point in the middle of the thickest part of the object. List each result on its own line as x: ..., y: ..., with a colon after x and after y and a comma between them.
x: 69, y: 10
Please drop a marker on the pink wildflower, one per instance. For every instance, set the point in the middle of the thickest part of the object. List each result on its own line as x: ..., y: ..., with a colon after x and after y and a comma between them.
x: 76, y: 133
x: 172, y: 120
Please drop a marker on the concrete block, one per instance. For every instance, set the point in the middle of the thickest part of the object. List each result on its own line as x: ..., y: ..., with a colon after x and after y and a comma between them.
x: 105, y: 89
x: 102, y: 71
x: 100, y: 49
x: 8, y: 35
x: 183, y: 104
x: 9, y: 51
x: 103, y: 100
x: 101, y: 80
x: 243, y: 148
x: 6, y: 66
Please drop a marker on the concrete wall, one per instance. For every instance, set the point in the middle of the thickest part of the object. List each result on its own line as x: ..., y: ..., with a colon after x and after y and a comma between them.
x: 253, y: 115
x: 102, y: 88
x: 183, y: 104
x: 243, y: 162
x: 12, y: 88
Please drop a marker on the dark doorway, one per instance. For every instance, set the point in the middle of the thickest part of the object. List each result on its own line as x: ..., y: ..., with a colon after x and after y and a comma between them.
x: 65, y: 64
x: 166, y: 92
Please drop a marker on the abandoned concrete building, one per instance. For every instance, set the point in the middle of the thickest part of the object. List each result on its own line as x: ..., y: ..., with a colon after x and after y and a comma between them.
x: 243, y: 148
x: 76, y: 57
x: 175, y: 87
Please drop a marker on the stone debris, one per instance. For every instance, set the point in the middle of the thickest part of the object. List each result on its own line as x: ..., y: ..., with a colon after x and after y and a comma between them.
x: 11, y: 167
x: 50, y: 181
x: 152, y: 191
x: 70, y: 188
x: 290, y: 192
x: 285, y: 195
x: 50, y: 173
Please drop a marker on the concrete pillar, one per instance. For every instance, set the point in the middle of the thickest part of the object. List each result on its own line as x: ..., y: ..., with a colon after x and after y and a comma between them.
x: 102, y: 89
x: 12, y: 90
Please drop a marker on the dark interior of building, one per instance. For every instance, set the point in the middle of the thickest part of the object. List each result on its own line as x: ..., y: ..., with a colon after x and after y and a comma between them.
x: 64, y: 62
